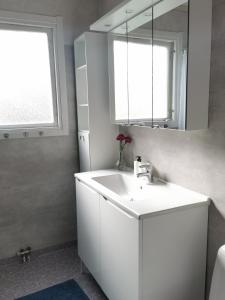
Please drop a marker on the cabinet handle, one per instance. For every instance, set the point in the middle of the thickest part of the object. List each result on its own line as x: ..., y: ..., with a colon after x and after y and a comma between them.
x: 117, y: 208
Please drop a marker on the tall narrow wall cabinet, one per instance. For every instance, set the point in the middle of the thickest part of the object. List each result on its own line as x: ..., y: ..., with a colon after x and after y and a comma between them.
x: 96, y: 134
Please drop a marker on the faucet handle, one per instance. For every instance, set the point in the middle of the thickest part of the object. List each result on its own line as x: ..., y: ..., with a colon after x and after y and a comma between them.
x: 146, y: 167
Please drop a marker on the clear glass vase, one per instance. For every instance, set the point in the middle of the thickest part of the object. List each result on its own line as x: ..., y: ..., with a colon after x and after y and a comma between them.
x: 121, y: 163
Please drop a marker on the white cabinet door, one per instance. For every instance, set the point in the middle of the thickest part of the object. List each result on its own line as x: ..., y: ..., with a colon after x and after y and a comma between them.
x: 82, y: 85
x: 84, y: 151
x: 119, y: 242
x: 88, y: 227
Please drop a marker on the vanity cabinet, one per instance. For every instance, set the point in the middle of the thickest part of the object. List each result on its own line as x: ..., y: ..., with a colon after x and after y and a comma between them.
x: 159, y: 256
x: 88, y: 224
x: 119, y: 252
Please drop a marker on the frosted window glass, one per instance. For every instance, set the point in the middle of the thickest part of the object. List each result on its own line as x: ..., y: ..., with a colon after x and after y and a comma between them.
x: 140, y: 80
x: 25, y: 79
x: 120, y: 80
x: 161, y: 83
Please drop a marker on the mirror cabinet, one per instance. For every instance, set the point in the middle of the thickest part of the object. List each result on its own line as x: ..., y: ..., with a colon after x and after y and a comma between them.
x: 159, y: 63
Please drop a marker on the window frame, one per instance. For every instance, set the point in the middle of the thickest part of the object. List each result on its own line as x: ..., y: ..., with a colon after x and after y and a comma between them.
x: 53, y: 27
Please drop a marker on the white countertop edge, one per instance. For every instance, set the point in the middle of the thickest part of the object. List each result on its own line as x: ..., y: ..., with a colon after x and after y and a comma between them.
x: 88, y: 182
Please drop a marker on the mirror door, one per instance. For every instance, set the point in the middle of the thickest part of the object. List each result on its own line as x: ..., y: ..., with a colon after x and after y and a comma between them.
x: 170, y: 43
x: 118, y: 74
x: 140, y: 67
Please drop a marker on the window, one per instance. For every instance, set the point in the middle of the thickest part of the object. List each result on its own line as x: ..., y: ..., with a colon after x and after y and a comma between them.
x: 33, y: 99
x: 138, y: 62
x: 131, y: 77
x: 140, y: 80
x: 120, y: 79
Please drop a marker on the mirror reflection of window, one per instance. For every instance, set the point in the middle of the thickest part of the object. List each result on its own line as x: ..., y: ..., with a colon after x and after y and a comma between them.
x: 120, y: 79
x: 140, y: 79
x: 148, y: 66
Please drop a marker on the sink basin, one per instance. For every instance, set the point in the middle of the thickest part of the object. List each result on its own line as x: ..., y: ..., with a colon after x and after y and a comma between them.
x: 120, y: 184
x: 125, y: 186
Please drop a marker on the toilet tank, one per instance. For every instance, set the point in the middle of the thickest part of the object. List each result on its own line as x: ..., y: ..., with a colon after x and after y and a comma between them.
x: 218, y: 281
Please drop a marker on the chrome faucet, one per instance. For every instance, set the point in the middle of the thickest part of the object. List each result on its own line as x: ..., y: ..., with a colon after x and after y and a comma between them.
x: 145, y: 171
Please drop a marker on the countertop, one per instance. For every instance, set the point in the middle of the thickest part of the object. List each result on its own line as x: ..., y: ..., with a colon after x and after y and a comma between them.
x: 163, y: 197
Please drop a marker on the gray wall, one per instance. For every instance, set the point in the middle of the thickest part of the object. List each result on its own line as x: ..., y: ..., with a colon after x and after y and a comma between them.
x: 195, y: 160
x: 36, y: 175
x: 107, y: 5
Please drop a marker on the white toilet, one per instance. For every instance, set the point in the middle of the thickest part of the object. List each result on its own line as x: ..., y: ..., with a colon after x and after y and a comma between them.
x: 218, y: 281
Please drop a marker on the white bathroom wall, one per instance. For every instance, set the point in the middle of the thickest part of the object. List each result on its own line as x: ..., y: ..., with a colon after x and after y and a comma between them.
x: 37, y: 202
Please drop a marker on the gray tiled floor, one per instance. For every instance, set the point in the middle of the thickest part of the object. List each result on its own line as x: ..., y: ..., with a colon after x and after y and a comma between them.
x: 45, y: 270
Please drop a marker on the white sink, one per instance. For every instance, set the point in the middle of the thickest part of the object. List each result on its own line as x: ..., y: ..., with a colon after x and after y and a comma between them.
x: 137, y: 197
x: 118, y: 183
x: 125, y: 186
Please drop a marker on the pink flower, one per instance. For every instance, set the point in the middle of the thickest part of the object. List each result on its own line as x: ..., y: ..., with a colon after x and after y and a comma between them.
x: 121, y: 137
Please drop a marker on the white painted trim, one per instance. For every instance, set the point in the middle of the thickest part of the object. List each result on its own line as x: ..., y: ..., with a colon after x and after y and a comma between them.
x: 61, y: 70
x: 56, y: 25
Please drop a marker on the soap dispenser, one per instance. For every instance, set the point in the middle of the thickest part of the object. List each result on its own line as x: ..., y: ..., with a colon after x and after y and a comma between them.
x: 137, y: 164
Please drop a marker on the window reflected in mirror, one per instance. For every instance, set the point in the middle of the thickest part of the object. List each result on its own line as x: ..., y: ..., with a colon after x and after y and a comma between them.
x: 120, y: 79
x: 118, y: 74
x: 148, y: 59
